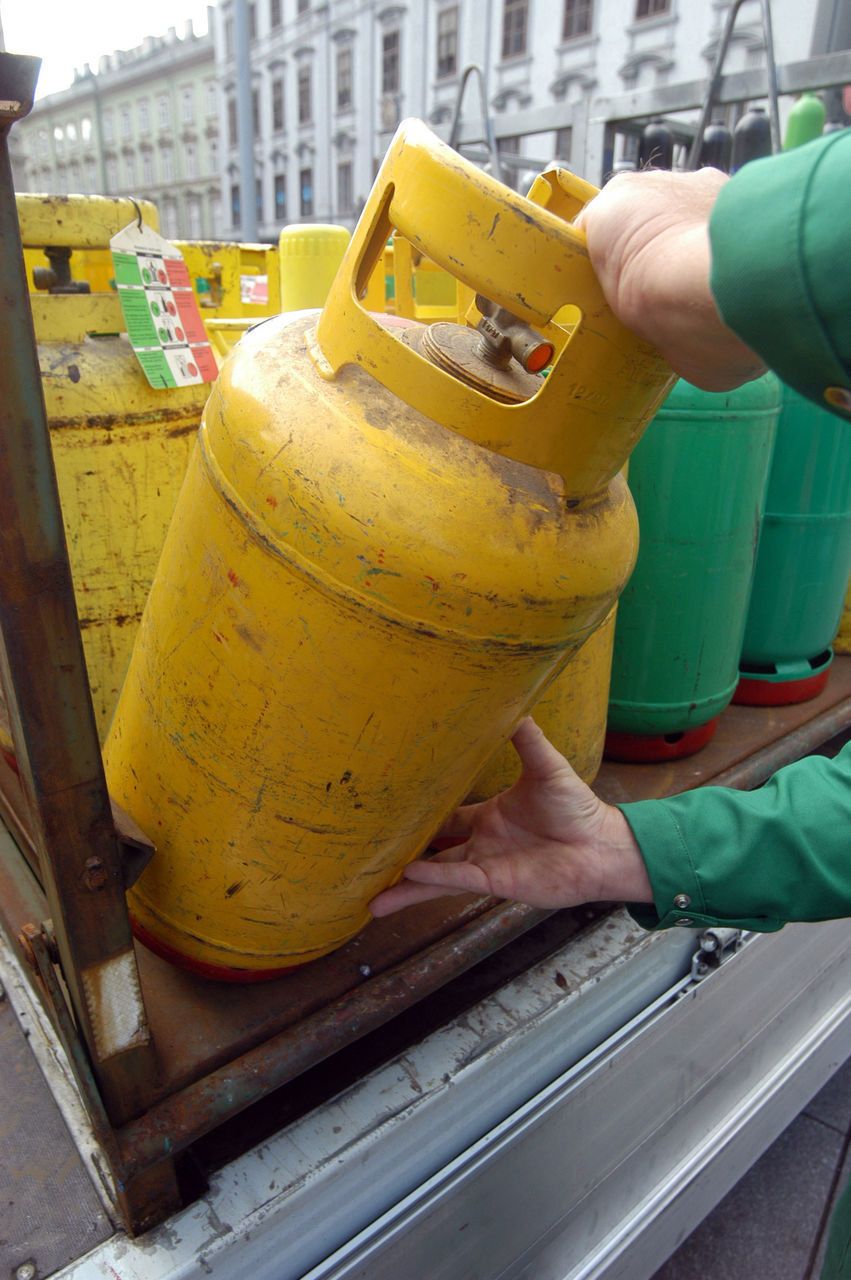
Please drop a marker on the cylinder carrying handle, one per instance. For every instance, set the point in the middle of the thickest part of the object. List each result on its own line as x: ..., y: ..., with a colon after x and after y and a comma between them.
x: 522, y: 256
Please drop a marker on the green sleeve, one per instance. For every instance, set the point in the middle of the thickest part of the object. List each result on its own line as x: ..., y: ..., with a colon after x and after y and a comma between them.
x: 750, y: 859
x: 781, y: 265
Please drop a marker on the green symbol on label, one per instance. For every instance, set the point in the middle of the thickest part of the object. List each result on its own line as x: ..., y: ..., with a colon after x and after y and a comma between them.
x: 163, y: 335
x: 155, y: 309
x: 146, y: 275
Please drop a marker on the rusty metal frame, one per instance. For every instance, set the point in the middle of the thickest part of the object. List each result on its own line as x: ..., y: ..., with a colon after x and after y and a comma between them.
x: 46, y: 690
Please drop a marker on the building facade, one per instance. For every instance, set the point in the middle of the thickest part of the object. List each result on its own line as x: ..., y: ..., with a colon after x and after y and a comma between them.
x: 145, y: 125
x: 282, y: 113
x: 329, y: 80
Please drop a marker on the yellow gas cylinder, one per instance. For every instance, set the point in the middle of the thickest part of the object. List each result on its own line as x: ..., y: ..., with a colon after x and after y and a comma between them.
x: 571, y: 711
x: 842, y: 640
x: 120, y: 447
x: 389, y: 538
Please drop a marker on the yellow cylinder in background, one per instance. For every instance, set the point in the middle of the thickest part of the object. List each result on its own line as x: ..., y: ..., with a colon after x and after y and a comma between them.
x: 842, y: 642
x: 309, y: 255
x: 120, y: 447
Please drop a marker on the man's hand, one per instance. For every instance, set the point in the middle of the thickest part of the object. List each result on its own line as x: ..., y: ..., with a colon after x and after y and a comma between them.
x: 548, y: 841
x: 648, y: 240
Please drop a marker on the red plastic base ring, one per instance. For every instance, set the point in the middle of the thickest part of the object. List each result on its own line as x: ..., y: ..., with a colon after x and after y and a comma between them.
x: 751, y: 692
x: 639, y: 748
x: 202, y: 968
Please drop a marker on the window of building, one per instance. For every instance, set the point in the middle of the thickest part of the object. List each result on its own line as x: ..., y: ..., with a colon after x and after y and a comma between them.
x: 277, y: 104
x: 212, y: 98
x: 280, y: 197
x: 564, y: 144
x: 111, y: 176
x: 215, y: 206
x: 213, y: 156
x: 130, y: 171
x: 578, y: 15
x: 163, y: 112
x: 305, y: 96
x: 190, y: 157
x: 275, y: 15
x: 344, y: 79
x: 148, y: 168
x: 194, y: 213
x: 167, y: 164
x: 509, y: 147
x: 74, y: 170
x: 515, y: 21
x: 235, y: 215
x: 447, y: 42
x: 345, y: 187
x: 126, y: 125
x: 168, y: 218
x: 108, y: 127
x: 91, y: 175
x: 143, y: 115
x: 303, y: 6
x: 229, y: 45
x: 252, y: 22
x: 647, y: 8
x: 255, y: 113
x: 258, y: 198
x: 43, y: 142
x: 305, y: 183
x: 86, y: 129
x: 187, y: 106
x: 390, y: 62
x: 71, y: 133
x: 233, y: 136
x: 62, y: 181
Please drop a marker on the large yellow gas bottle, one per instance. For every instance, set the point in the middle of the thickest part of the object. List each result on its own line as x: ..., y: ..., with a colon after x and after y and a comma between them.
x: 390, y: 537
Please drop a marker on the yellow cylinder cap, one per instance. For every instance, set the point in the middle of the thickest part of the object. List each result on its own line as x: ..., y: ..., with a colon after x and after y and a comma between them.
x: 309, y: 254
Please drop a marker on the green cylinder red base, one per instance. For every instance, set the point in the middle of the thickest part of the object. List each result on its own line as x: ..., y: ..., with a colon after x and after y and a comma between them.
x: 654, y: 748
x: 783, y: 683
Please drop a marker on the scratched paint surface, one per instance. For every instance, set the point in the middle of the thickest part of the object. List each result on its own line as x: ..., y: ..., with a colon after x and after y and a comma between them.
x: 353, y: 606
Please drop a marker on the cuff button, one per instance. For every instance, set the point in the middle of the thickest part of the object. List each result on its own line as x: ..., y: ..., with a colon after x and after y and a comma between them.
x: 839, y: 397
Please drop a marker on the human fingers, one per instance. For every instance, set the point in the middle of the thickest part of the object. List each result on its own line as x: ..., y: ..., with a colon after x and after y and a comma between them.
x: 406, y: 894
x: 447, y: 873
x: 458, y: 826
x: 538, y: 756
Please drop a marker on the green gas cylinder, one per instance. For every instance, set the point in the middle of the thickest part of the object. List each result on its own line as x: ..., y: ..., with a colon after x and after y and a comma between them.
x: 804, y: 558
x: 698, y: 479
x: 806, y: 121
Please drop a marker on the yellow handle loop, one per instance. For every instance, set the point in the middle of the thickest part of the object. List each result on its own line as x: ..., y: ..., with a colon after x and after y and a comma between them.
x: 604, y: 385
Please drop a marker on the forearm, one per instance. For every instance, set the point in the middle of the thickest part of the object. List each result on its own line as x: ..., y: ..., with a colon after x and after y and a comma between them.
x: 751, y: 860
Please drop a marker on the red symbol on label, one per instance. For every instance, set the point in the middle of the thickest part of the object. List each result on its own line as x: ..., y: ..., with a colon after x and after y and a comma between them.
x: 162, y: 277
x: 171, y: 308
x: 179, y: 334
x: 192, y: 369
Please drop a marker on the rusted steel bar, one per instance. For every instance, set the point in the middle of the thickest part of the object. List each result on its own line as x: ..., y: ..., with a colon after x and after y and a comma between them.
x: 46, y: 687
x: 181, y: 1119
